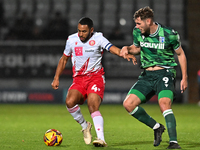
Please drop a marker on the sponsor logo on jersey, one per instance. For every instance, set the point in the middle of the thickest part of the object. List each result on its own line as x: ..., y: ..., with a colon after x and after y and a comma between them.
x: 152, y: 45
x: 92, y: 42
x: 91, y: 50
x: 78, y: 51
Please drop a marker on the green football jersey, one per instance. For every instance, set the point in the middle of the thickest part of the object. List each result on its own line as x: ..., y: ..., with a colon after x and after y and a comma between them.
x: 157, y: 49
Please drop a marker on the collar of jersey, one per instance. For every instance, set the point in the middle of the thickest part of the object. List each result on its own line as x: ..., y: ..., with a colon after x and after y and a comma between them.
x: 155, y: 33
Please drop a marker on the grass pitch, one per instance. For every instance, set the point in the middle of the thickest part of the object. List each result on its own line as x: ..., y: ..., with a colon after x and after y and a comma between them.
x: 22, y: 127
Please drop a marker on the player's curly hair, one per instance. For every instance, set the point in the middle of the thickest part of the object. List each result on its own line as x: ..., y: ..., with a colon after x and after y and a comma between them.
x: 144, y: 13
x: 86, y: 21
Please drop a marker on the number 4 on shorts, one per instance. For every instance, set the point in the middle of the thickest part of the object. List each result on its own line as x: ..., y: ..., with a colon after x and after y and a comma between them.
x: 95, y: 88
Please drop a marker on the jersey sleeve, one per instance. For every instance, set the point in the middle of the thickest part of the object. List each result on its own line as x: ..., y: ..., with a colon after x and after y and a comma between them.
x: 105, y: 44
x: 67, y: 51
x: 175, y: 40
x: 135, y: 37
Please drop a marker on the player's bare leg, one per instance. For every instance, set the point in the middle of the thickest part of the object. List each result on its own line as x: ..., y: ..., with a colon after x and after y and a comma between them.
x: 94, y: 102
x: 73, y: 98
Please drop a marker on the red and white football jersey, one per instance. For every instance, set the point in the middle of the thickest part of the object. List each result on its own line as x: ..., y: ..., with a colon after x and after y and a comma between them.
x: 86, y: 57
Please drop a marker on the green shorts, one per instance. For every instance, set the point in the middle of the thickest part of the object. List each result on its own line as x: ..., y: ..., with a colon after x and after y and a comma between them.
x: 159, y: 82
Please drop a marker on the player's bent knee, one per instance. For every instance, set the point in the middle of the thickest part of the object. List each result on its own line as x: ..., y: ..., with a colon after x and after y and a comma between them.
x: 125, y: 103
x: 129, y: 105
x: 69, y: 103
x: 165, y: 101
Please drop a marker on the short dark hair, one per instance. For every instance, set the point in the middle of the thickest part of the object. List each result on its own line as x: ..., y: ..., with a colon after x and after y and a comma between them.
x: 144, y: 13
x: 86, y: 21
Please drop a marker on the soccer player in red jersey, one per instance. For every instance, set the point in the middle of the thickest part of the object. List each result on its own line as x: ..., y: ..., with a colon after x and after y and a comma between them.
x: 86, y: 49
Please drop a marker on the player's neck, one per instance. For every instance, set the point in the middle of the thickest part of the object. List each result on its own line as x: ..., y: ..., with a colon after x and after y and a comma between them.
x: 153, y: 28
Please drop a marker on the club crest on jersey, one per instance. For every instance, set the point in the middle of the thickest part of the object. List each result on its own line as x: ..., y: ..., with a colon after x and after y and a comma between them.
x: 76, y: 43
x: 92, y: 42
x: 162, y: 39
x: 143, y: 37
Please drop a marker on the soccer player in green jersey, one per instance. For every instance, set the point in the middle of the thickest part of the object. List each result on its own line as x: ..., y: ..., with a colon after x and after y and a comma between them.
x: 156, y: 45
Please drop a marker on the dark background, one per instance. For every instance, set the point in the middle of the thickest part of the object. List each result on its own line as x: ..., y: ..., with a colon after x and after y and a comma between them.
x: 33, y: 35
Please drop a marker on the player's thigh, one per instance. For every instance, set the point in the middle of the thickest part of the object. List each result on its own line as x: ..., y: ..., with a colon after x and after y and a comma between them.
x: 166, y: 86
x: 142, y: 89
x: 74, y: 97
x: 96, y: 85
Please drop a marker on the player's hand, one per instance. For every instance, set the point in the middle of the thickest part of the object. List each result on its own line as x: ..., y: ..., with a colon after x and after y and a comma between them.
x: 183, y: 85
x: 124, y: 52
x: 55, y: 84
x: 134, y: 60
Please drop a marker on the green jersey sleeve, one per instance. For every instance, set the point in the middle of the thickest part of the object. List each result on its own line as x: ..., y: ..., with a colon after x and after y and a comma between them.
x: 174, y: 39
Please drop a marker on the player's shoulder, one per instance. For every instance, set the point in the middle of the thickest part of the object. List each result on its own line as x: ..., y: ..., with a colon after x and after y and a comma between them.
x: 169, y: 30
x: 73, y: 36
x: 98, y: 34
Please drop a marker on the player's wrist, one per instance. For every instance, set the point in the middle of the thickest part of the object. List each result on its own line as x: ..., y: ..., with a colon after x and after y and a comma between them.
x: 56, y: 78
x: 185, y: 77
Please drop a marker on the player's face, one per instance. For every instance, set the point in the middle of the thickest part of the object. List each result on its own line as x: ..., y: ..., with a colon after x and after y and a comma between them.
x: 84, y: 32
x: 142, y: 25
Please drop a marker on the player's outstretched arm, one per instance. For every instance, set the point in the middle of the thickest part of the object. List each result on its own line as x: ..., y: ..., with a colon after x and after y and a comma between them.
x: 183, y: 63
x: 134, y: 50
x: 129, y: 52
x: 115, y: 50
x: 61, y: 66
x: 124, y: 52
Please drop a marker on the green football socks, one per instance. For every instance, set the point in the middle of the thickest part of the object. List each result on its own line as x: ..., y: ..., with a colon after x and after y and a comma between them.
x: 171, y: 124
x: 140, y: 114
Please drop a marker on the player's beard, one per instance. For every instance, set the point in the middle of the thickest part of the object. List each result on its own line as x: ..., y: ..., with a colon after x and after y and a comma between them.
x: 146, y: 32
x: 87, y: 38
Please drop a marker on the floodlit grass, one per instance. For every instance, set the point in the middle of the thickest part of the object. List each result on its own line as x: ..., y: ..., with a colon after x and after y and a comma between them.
x: 22, y: 127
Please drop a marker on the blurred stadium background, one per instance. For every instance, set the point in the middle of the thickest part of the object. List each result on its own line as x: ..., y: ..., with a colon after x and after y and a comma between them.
x: 33, y: 35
